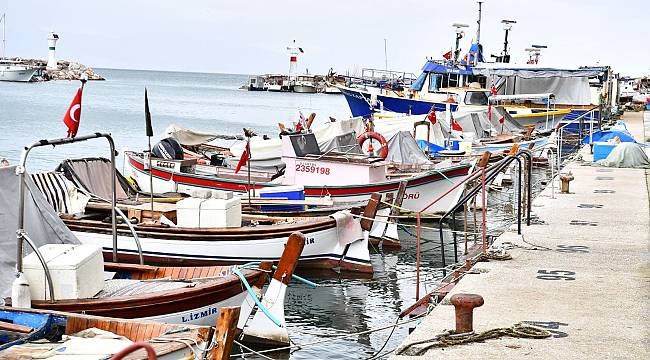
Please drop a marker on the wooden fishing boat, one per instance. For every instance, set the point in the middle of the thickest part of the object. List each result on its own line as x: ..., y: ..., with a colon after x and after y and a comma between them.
x: 345, y: 178
x: 329, y: 244
x: 32, y: 334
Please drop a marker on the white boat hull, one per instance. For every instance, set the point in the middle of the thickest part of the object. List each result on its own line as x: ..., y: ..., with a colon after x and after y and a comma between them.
x: 16, y: 73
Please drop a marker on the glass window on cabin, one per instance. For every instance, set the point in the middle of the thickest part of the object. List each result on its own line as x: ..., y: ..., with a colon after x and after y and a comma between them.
x: 434, y: 82
x: 476, y: 98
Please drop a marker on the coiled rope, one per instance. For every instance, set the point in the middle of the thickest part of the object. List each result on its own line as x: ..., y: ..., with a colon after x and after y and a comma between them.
x: 448, y: 338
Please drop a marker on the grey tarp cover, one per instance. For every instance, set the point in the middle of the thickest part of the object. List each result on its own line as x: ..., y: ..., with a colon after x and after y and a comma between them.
x: 189, y: 137
x: 42, y: 224
x: 477, y: 123
x: 626, y: 155
x: 345, y: 143
x: 403, y: 149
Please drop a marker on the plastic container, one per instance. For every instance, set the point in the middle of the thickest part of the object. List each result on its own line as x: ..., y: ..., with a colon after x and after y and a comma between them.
x: 290, y: 192
x: 200, y: 213
x: 77, y: 271
x: 602, y: 150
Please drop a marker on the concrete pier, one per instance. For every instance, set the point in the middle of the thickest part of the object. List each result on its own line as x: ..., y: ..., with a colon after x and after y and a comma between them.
x: 583, y: 273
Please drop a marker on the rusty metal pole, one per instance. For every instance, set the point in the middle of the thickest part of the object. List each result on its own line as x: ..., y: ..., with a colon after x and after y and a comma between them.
x: 465, y: 304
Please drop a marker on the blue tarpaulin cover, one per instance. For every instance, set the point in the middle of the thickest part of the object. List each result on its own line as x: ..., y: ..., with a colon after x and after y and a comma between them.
x: 430, y: 66
x: 604, y: 135
x: 433, y: 148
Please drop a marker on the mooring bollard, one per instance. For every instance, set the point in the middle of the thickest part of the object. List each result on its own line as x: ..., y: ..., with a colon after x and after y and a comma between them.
x: 465, y: 304
x: 565, y: 179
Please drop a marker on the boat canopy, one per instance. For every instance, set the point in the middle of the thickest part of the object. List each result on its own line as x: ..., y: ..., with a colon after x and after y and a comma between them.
x: 531, y: 72
x: 433, y: 67
x: 42, y: 223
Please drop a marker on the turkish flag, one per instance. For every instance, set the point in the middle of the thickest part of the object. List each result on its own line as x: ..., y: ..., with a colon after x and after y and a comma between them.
x: 502, y: 119
x: 447, y: 55
x: 493, y: 90
x: 432, y: 115
x: 71, y: 118
x: 455, y: 125
x: 244, y: 157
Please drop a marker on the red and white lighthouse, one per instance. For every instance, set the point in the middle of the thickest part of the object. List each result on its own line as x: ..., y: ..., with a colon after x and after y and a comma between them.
x: 293, y: 59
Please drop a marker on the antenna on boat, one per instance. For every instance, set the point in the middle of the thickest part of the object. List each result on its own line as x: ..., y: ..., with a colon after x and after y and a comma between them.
x: 534, y: 52
x: 459, y: 35
x: 507, y: 26
x: 478, y: 30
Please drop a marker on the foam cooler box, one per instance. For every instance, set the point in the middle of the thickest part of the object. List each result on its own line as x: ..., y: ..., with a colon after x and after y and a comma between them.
x: 602, y: 150
x: 290, y: 192
x: 77, y: 271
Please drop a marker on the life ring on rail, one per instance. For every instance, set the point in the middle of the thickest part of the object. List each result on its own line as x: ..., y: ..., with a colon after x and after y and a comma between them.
x: 376, y: 136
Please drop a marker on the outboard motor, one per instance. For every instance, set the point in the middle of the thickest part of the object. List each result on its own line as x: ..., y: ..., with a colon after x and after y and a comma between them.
x: 168, y: 148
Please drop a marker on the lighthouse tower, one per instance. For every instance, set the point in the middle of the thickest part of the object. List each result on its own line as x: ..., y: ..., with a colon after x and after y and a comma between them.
x: 293, y: 60
x: 51, y: 43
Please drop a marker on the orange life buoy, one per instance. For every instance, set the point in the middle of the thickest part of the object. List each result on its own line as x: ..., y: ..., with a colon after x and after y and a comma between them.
x: 376, y: 136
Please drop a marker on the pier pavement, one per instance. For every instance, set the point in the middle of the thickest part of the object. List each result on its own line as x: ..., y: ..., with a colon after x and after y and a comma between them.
x: 582, y: 272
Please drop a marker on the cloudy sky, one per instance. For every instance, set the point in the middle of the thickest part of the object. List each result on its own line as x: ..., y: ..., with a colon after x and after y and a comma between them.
x: 241, y: 36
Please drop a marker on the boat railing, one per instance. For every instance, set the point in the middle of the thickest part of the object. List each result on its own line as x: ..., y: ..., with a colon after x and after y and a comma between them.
x: 485, y: 175
x: 560, y: 138
x: 22, y: 236
x: 20, y: 171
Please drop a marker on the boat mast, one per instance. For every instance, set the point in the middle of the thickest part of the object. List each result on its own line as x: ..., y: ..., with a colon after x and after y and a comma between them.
x: 385, y: 55
x: 4, y: 42
x: 478, y: 34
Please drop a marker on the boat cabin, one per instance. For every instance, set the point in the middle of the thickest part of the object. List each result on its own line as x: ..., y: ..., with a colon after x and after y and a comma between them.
x: 459, y: 85
x: 308, y: 165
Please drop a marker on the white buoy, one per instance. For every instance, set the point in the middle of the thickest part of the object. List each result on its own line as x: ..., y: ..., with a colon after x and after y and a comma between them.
x: 51, y: 57
x: 20, y: 294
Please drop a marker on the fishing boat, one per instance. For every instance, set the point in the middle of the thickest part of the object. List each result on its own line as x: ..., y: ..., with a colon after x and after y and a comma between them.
x: 85, y: 283
x: 35, y: 334
x: 305, y: 84
x: 343, y: 177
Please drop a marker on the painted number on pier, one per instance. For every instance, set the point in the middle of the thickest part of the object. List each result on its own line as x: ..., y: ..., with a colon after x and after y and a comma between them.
x: 311, y: 168
x: 556, y: 275
x: 590, y: 206
x: 550, y: 326
x: 573, y: 249
x: 603, y: 191
x: 583, y: 223
x: 604, y: 178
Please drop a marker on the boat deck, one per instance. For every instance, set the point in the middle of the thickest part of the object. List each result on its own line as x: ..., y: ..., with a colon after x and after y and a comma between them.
x: 583, y: 273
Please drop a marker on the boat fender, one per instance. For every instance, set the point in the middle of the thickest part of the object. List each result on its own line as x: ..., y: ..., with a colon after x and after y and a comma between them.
x: 376, y: 136
x: 21, y: 297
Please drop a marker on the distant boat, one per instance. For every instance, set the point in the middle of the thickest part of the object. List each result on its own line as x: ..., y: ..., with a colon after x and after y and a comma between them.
x: 10, y: 71
x: 13, y: 70
x: 305, y: 84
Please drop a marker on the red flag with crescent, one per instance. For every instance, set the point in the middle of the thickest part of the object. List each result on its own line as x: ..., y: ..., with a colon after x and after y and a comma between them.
x: 432, y: 115
x: 447, y: 55
x: 502, y: 119
x: 244, y: 157
x: 455, y: 125
x: 72, y: 116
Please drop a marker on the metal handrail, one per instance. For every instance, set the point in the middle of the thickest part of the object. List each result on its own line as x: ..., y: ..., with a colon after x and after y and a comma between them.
x: 560, y: 132
x: 48, y: 276
x: 20, y: 171
x: 133, y: 232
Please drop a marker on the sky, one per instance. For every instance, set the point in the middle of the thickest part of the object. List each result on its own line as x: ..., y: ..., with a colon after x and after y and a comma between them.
x: 250, y: 37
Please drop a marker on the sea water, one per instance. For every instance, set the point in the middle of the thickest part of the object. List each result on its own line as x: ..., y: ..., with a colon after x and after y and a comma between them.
x: 205, y: 102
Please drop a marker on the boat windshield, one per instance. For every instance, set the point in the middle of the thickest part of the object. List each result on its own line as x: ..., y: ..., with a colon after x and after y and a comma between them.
x: 476, y: 98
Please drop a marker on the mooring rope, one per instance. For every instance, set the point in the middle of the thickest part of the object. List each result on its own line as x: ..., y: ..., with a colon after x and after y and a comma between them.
x: 448, y: 338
